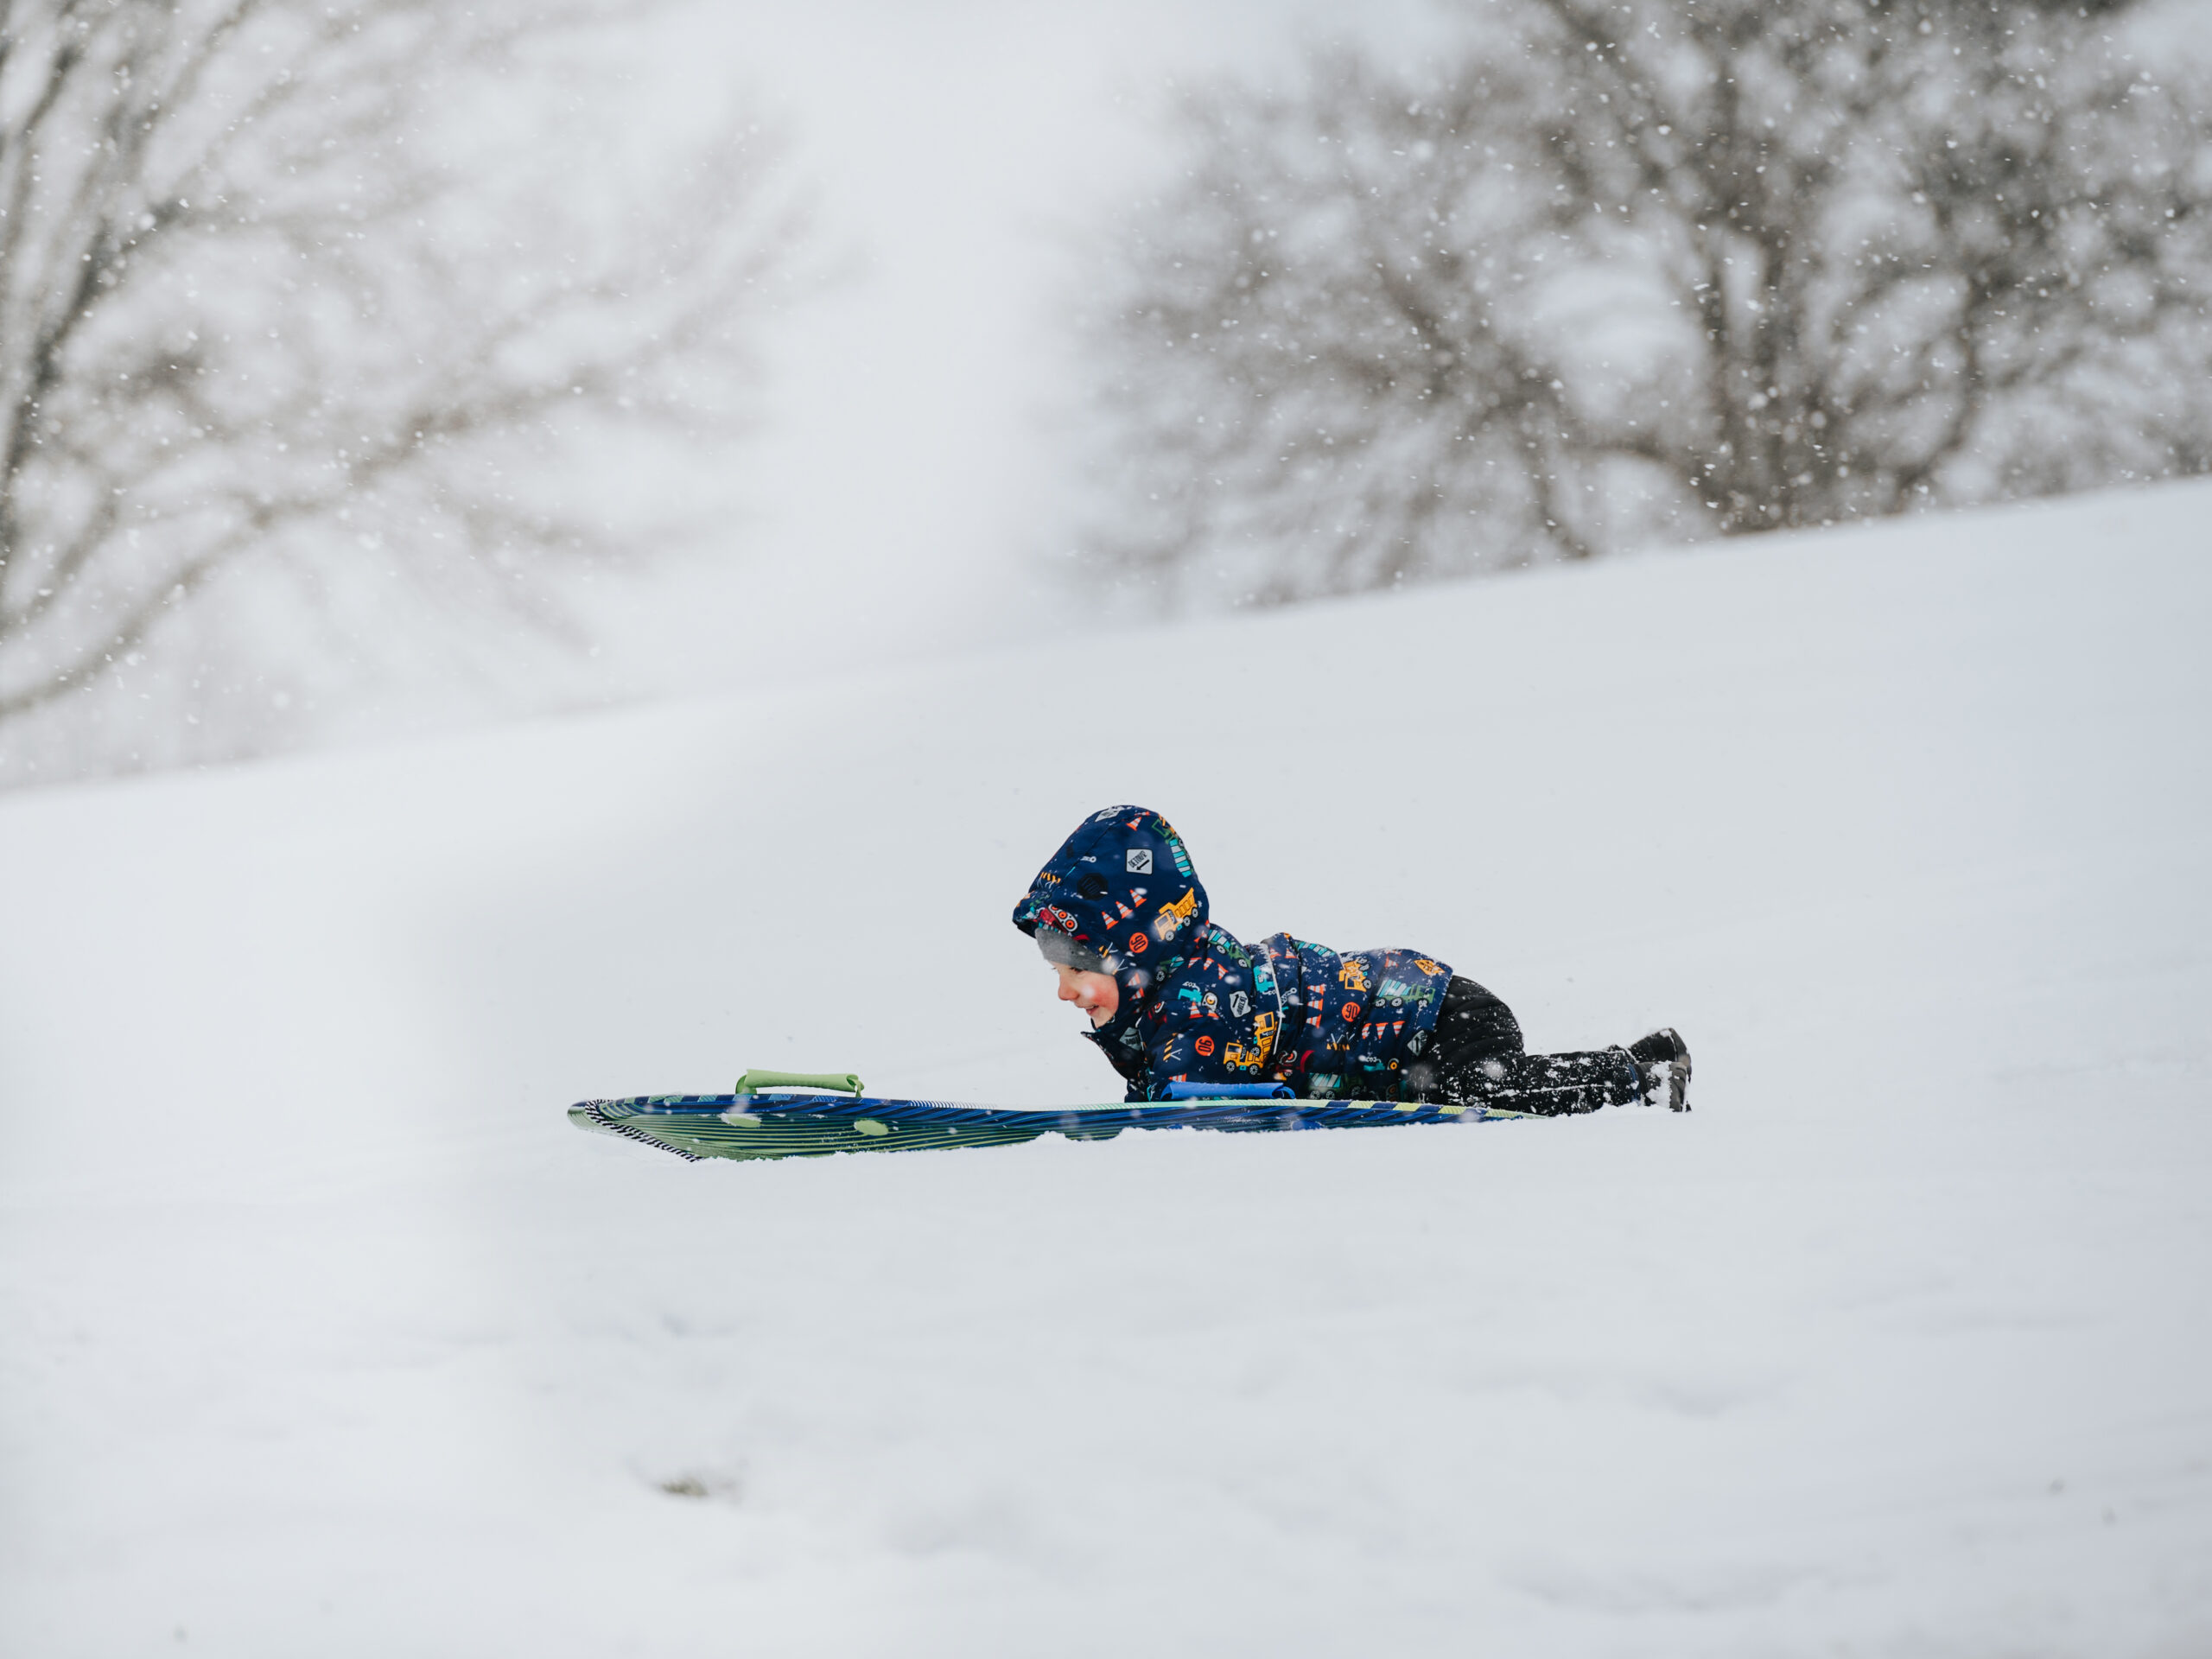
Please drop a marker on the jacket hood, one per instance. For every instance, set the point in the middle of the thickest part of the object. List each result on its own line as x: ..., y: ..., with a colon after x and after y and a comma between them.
x: 1122, y: 884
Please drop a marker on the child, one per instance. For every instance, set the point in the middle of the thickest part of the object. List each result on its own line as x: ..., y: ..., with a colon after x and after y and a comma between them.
x: 1122, y: 916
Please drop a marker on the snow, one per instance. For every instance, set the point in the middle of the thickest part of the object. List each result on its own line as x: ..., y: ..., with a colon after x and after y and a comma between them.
x: 328, y: 1334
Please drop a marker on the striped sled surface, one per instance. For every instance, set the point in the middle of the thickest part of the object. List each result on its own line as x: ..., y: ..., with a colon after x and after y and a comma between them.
x: 777, y: 1124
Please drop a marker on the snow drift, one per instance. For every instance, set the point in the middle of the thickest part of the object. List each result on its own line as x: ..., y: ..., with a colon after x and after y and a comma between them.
x: 326, y: 1333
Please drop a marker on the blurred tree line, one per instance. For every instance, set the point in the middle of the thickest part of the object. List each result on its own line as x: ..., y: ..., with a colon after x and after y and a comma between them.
x: 1615, y: 272
x: 289, y: 330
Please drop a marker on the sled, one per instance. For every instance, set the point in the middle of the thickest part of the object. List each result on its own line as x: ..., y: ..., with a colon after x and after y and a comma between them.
x: 812, y: 1114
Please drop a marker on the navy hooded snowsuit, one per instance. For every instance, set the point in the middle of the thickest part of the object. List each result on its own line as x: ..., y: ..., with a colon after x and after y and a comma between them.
x: 1199, y: 1005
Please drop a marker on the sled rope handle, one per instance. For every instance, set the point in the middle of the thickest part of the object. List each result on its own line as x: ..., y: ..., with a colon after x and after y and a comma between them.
x: 843, y: 1082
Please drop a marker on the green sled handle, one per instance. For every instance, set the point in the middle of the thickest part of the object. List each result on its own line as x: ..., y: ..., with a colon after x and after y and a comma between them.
x: 844, y: 1083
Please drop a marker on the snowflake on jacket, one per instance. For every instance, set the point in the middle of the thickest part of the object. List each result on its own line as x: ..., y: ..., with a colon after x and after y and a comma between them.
x: 1199, y: 1005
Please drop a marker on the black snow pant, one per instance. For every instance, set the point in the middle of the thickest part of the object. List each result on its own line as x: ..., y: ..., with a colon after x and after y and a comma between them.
x: 1477, y: 1058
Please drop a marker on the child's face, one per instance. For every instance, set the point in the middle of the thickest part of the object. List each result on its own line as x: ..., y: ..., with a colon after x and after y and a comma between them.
x: 1096, y: 994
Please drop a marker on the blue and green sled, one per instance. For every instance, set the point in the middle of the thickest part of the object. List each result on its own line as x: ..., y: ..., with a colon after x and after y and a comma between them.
x: 810, y: 1115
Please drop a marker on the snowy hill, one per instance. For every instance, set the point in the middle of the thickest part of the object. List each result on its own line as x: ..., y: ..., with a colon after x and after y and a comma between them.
x: 325, y: 1334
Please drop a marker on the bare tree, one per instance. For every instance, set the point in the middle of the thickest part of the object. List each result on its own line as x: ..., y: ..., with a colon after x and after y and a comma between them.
x: 1630, y: 269
x: 263, y: 309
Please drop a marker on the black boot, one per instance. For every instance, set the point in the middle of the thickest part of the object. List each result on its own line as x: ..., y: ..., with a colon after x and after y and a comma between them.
x: 1665, y: 1059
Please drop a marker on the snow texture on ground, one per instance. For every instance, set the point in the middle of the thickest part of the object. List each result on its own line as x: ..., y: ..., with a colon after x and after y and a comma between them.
x: 326, y: 1334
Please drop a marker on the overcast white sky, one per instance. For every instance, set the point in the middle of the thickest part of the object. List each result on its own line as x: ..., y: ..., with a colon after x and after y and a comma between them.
x: 915, y: 464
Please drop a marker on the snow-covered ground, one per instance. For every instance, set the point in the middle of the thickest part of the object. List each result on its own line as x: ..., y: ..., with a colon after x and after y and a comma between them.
x: 325, y: 1334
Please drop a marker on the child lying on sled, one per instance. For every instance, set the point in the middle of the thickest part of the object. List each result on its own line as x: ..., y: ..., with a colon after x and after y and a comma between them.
x: 1121, y: 915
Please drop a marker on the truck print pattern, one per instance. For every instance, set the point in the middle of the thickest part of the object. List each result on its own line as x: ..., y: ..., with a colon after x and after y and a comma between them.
x: 1197, y: 1005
